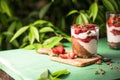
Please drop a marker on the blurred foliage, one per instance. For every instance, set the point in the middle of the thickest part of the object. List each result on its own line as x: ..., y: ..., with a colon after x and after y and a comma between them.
x: 37, y: 23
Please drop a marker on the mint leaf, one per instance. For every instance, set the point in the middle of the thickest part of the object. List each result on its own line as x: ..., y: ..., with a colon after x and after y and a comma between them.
x: 53, y: 78
x: 60, y: 73
x: 45, y: 75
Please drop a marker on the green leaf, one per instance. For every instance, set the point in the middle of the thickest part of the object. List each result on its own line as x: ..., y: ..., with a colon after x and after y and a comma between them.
x: 15, y: 43
x: 108, y: 5
x: 53, y: 78
x: 7, y: 33
x: 40, y: 22
x: 5, y: 8
x: 37, y: 46
x: 60, y: 73
x: 33, y: 46
x: 84, y: 18
x: 18, y: 25
x: 68, y: 38
x: 79, y: 19
x: 12, y: 27
x: 44, y: 10
x: 45, y: 75
x: 1, y: 37
x: 34, y: 31
x: 31, y: 37
x: 19, y: 32
x: 29, y: 47
x: 46, y: 29
x: 72, y: 12
x: 114, y: 3
x: 93, y: 10
x: 53, y: 41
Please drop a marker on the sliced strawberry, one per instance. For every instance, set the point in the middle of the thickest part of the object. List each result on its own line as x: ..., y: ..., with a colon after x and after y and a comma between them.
x: 84, y: 30
x: 116, y: 18
x: 91, y: 26
x: 116, y: 24
x: 75, y: 25
x: 110, y: 21
x: 115, y: 32
x: 89, y: 38
x: 60, y: 49
x: 63, y: 56
x: 110, y: 24
x: 77, y: 31
x: 71, y: 55
x: 54, y: 50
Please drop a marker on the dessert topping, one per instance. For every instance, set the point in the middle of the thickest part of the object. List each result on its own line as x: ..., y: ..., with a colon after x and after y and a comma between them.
x: 83, y: 28
x: 114, y: 20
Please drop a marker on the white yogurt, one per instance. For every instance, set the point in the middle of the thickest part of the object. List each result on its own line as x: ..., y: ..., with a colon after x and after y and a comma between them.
x: 110, y: 36
x: 84, y: 35
x: 91, y: 46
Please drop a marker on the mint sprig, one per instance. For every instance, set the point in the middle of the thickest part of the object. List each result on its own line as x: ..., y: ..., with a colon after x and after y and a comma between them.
x: 47, y: 75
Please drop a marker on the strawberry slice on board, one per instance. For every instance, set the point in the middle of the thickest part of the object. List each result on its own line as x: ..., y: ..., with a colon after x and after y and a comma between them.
x: 58, y: 50
x: 63, y: 56
x: 71, y: 55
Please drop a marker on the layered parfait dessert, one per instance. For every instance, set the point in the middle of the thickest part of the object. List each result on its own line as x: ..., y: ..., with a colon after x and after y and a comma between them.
x: 84, y: 39
x: 113, y: 30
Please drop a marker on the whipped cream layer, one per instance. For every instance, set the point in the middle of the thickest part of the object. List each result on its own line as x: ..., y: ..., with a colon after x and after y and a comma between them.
x: 111, y: 37
x: 90, y: 46
x: 84, y: 35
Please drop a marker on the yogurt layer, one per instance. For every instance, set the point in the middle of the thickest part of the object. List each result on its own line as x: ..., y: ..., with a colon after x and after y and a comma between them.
x: 91, y: 46
x: 111, y: 37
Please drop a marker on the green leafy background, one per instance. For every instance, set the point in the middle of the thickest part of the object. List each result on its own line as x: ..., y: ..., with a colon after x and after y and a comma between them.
x: 32, y: 24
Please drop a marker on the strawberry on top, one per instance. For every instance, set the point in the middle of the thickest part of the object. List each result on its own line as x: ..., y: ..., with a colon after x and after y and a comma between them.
x: 83, y: 28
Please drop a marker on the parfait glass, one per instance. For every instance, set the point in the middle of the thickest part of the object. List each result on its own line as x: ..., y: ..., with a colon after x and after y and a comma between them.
x: 113, y: 29
x: 84, y: 39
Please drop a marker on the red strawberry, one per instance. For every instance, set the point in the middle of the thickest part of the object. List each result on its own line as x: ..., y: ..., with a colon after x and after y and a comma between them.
x: 116, y: 24
x: 77, y: 31
x: 75, y: 25
x: 58, y: 50
x: 110, y: 24
x: 63, y: 56
x: 91, y: 26
x: 71, y: 55
x: 88, y: 39
x: 116, y: 18
x: 115, y: 32
x: 110, y: 21
x: 84, y: 30
x: 54, y: 50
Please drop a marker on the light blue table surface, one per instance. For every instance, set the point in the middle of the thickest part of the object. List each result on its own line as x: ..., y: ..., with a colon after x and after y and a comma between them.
x: 28, y: 65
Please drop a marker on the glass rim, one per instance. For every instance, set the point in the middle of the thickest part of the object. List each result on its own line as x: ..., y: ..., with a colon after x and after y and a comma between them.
x: 112, y: 12
x: 96, y: 25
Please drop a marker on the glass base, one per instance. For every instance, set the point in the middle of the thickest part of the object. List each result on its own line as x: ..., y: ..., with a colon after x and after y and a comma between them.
x: 113, y: 45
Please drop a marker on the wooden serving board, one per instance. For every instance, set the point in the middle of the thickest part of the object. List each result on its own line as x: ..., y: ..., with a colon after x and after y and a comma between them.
x: 75, y: 62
